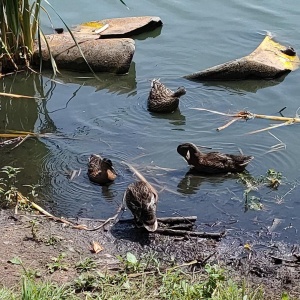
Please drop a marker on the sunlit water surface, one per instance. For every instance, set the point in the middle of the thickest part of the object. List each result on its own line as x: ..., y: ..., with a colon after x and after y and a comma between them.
x: 110, y: 116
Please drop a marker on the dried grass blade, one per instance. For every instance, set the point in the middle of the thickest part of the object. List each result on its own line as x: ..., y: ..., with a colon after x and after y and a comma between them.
x: 271, y: 127
x: 18, y: 96
x: 276, y: 118
x: 215, y: 112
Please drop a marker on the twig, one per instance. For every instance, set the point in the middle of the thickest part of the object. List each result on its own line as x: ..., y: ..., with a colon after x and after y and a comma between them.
x: 212, y: 235
x: 167, y: 220
x: 22, y: 141
x: 113, y: 218
x: 228, y: 124
x: 11, y: 141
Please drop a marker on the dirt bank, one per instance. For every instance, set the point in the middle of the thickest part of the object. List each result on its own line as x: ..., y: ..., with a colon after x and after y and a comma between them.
x: 37, y: 240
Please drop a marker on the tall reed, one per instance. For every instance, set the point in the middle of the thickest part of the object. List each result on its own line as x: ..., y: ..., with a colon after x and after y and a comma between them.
x: 19, y: 21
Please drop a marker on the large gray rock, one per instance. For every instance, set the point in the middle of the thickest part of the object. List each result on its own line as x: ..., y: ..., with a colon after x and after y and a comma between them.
x: 111, y: 55
x: 268, y: 60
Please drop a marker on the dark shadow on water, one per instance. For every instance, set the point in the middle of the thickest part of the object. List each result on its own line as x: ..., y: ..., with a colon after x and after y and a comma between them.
x: 150, y: 34
x: 191, y: 182
x: 175, y: 118
x: 251, y: 86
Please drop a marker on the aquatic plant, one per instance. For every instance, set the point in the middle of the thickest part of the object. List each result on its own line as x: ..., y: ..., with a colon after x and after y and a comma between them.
x: 19, y: 22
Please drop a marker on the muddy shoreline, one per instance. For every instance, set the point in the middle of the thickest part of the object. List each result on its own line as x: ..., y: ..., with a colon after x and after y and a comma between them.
x: 36, y: 240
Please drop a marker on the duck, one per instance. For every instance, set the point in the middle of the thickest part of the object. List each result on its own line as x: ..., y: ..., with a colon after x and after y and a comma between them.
x: 141, y: 199
x: 213, y: 162
x: 163, y: 100
x: 101, y: 170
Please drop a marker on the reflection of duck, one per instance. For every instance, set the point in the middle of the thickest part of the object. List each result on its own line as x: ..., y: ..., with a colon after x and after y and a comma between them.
x: 141, y: 198
x: 101, y: 170
x: 192, y: 180
x: 161, y: 99
x: 213, y: 162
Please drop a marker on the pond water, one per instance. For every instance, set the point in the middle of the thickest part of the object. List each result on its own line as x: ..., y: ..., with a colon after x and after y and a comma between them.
x: 109, y: 116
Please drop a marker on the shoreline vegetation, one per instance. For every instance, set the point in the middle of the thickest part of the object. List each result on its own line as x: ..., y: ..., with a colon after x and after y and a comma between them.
x: 46, y: 257
x: 47, y: 260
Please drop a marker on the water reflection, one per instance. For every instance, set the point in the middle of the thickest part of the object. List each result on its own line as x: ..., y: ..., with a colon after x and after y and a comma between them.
x: 191, y: 182
x: 151, y: 34
x: 119, y: 84
x: 176, y: 118
x: 243, y: 86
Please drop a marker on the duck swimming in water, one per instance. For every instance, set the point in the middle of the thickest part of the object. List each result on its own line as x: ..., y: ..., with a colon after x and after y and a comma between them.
x: 141, y: 198
x: 213, y: 162
x: 163, y: 100
x: 101, y: 170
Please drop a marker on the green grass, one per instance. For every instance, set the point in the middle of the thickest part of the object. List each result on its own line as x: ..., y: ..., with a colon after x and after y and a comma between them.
x: 145, y: 281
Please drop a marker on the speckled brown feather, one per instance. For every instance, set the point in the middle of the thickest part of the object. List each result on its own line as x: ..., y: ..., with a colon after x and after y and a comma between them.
x: 100, y: 170
x: 162, y: 99
x: 213, y: 162
x: 141, y: 199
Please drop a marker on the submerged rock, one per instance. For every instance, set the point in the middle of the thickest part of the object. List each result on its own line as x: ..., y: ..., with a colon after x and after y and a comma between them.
x: 268, y: 60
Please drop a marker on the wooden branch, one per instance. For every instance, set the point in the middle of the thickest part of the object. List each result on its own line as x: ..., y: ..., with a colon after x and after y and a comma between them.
x: 212, y: 235
x: 168, y: 220
x: 173, y: 220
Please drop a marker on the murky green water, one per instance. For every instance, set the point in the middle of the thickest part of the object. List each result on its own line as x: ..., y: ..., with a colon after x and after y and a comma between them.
x: 110, y: 116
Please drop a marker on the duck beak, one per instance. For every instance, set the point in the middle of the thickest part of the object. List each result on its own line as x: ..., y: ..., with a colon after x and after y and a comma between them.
x: 113, y: 170
x: 188, y: 155
x: 152, y: 228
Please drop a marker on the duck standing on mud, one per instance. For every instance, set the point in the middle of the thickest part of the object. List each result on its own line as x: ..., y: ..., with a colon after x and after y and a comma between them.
x: 101, y: 170
x: 163, y: 100
x: 213, y: 162
x: 141, y: 198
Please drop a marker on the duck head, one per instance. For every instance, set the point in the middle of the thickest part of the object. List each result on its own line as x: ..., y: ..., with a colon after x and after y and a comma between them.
x: 187, y: 150
x: 180, y: 92
x: 107, y: 166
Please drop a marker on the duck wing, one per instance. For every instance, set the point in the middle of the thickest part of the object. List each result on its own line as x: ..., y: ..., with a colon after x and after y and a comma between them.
x: 216, y: 161
x: 159, y: 90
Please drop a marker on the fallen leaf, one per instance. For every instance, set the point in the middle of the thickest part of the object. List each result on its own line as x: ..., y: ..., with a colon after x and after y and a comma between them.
x: 96, y: 247
x: 247, y: 246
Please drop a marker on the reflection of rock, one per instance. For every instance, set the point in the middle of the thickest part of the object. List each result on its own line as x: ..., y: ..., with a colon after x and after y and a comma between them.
x: 251, y: 86
x: 113, y: 83
x: 268, y: 60
x: 191, y: 182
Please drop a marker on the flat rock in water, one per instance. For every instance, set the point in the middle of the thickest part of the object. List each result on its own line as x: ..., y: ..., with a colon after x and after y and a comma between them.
x: 269, y: 60
x: 119, y: 27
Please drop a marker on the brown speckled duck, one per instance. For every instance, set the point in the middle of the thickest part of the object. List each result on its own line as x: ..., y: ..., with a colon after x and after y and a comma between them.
x: 141, y: 198
x: 213, y: 162
x: 101, y: 170
x: 163, y: 100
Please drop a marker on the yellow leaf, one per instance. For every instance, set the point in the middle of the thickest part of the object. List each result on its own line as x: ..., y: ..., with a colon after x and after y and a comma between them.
x: 96, y: 247
x: 247, y: 246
